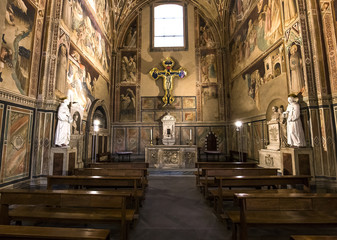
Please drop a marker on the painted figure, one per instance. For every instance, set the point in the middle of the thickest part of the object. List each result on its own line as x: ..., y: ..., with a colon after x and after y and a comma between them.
x: 290, y: 11
x: 62, y: 134
x: 61, y: 74
x: 296, y: 76
x: 295, y: 133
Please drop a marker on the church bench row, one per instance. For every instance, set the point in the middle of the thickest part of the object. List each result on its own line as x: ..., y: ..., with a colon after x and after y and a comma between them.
x: 130, y: 185
x: 123, y: 165
x: 14, y: 232
x: 112, y: 172
x: 200, y: 165
x: 312, y: 237
x: 256, y: 209
x: 259, y: 182
x: 210, y: 174
x: 75, y: 206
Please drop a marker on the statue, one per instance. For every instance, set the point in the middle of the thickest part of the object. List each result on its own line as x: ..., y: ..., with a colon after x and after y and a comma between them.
x: 168, y: 74
x: 283, y: 127
x: 295, y: 133
x: 296, y: 75
x: 62, y: 134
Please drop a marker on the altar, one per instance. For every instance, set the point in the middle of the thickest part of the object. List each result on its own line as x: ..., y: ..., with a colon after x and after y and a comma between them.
x: 171, y: 156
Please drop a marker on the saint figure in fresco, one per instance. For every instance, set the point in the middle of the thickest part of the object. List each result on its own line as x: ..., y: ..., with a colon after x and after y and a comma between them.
x: 290, y: 11
x: 61, y: 73
x: 296, y: 75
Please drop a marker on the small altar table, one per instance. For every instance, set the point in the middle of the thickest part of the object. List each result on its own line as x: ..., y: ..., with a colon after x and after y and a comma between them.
x: 173, y: 156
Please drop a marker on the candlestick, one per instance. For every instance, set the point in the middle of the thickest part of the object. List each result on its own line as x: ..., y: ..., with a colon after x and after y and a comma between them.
x: 190, y: 134
x: 151, y: 134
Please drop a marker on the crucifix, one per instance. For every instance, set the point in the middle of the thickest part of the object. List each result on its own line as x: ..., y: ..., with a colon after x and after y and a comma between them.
x: 167, y: 75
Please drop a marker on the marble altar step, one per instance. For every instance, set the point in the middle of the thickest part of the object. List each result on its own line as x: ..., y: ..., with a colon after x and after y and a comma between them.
x: 172, y: 172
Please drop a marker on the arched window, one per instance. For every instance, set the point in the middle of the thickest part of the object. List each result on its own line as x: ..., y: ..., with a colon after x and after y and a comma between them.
x: 169, y: 26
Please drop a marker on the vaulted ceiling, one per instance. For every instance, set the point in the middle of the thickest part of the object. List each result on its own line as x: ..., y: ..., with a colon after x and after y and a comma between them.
x: 215, y: 11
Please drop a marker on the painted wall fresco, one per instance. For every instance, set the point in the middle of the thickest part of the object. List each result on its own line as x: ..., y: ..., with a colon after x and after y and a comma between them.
x: 127, y: 104
x: 258, y: 32
x: 210, y: 103
x: 16, y: 45
x: 81, y: 82
x: 259, y: 85
x: 17, y: 144
x: 85, y: 30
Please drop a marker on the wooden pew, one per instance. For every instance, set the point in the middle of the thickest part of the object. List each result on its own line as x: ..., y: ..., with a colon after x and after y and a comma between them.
x: 130, y: 185
x: 113, y: 172
x: 123, y: 165
x: 78, y: 206
x: 313, y: 237
x: 11, y: 232
x: 259, y: 182
x: 211, y: 173
x: 312, y: 209
x: 200, y: 165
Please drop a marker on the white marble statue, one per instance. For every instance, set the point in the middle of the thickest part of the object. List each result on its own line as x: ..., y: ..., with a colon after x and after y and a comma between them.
x: 295, y: 133
x: 62, y: 134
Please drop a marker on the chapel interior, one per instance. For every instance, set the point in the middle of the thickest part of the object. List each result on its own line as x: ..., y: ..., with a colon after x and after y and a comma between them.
x: 208, y: 81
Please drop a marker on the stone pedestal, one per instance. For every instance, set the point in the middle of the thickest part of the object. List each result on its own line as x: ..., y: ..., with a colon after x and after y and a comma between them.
x: 176, y: 156
x: 274, y: 135
x: 271, y: 159
x: 289, y: 161
x: 63, y: 160
x: 297, y: 161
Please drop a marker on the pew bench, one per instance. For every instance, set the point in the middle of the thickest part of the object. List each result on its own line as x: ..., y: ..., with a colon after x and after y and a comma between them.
x: 60, y: 206
x: 15, y: 232
x: 124, y: 185
x: 211, y: 173
x: 200, y: 165
x: 313, y: 237
x: 259, y: 182
x: 113, y: 172
x: 123, y: 165
x: 311, y: 209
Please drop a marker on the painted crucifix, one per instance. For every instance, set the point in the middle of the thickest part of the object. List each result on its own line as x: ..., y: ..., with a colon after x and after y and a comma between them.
x: 167, y: 75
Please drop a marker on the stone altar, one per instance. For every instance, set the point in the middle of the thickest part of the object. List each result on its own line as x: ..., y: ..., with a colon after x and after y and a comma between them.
x: 175, y: 156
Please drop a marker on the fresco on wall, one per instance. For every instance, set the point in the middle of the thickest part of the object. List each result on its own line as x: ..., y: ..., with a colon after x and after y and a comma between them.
x: 210, y: 103
x: 130, y: 39
x: 16, y: 45
x: 17, y: 144
x: 296, y: 79
x: 61, y: 72
x: 259, y: 32
x: 147, y: 116
x: 76, y: 124
x: 127, y: 104
x: 290, y: 12
x: 148, y: 103
x: 208, y: 67
x: 81, y: 81
x: 129, y: 68
x: 189, y: 116
x: 264, y: 81
x: 206, y: 38
x: 188, y: 102
x: 85, y: 33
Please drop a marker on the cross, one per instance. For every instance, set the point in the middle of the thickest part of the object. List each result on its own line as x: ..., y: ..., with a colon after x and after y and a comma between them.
x: 168, y: 74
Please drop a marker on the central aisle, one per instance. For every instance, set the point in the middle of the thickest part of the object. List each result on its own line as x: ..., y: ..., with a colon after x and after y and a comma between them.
x: 174, y: 210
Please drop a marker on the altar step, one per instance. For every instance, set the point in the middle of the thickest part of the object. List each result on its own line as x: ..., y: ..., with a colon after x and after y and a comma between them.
x: 171, y: 172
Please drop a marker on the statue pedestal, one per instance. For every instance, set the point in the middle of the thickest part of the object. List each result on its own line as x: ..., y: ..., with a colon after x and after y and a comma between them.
x: 297, y: 161
x: 63, y: 160
x: 289, y: 161
x: 176, y: 156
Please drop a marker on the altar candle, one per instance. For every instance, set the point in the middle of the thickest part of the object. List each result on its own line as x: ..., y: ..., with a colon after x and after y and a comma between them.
x: 190, y: 134
x: 151, y: 134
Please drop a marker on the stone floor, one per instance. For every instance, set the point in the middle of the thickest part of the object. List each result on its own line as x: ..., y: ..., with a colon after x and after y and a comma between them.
x: 174, y: 209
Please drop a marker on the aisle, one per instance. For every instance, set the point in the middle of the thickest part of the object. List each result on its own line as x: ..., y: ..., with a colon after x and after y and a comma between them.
x: 175, y: 210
